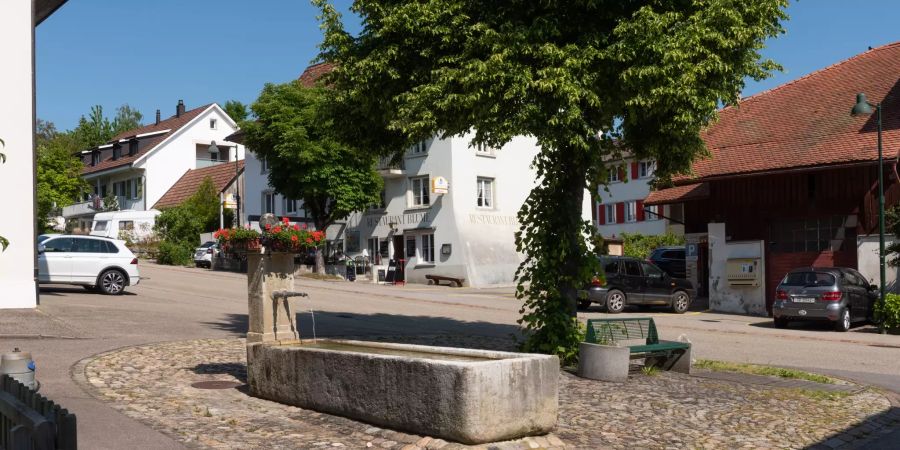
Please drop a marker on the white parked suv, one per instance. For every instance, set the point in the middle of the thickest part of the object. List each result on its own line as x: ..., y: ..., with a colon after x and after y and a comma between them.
x: 92, y: 262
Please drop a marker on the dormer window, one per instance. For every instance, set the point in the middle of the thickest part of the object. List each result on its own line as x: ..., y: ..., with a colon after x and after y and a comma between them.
x: 95, y: 157
x: 117, y: 151
x: 132, y: 147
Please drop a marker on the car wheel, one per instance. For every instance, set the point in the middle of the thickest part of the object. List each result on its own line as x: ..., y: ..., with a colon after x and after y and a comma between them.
x: 615, y: 301
x: 681, y: 301
x: 112, y: 282
x: 781, y: 322
x: 843, y: 322
x: 584, y: 304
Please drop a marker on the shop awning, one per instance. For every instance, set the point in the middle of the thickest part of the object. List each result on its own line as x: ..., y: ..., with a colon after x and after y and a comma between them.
x: 678, y: 194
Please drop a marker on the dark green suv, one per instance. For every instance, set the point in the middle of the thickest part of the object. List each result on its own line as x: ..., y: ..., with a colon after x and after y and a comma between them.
x: 631, y: 281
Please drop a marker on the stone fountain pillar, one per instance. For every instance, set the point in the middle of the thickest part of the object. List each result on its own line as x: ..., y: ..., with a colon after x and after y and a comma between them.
x: 270, y: 321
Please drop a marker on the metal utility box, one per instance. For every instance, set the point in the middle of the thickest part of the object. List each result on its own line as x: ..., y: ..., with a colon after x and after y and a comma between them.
x: 744, y: 272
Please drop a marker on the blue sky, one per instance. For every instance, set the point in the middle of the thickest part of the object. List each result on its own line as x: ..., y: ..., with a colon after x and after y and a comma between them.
x: 151, y: 54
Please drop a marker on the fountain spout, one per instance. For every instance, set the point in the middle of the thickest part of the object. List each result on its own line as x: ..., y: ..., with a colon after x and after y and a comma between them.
x: 284, y: 295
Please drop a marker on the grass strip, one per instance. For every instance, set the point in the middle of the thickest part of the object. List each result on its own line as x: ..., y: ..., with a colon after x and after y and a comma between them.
x: 753, y: 369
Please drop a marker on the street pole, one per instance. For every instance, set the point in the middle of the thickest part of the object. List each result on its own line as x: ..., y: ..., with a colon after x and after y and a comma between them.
x: 880, y: 218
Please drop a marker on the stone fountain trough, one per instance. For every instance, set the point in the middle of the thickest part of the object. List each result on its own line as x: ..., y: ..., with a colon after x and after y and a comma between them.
x: 463, y: 395
x: 468, y: 396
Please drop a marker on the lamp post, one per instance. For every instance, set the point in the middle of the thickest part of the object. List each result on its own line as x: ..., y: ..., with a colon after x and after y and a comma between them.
x: 863, y: 107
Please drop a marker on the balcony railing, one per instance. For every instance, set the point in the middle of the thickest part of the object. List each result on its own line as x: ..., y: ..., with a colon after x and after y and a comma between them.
x: 78, y: 209
x: 201, y: 163
x: 389, y: 169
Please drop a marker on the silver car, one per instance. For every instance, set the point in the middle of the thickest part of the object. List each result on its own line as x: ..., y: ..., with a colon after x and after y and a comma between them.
x: 836, y: 294
x: 204, y: 254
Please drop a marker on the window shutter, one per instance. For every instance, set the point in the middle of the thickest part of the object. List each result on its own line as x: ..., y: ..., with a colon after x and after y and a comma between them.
x: 620, y: 213
x: 594, y: 211
x: 601, y: 213
x: 640, y: 210
x: 634, y: 171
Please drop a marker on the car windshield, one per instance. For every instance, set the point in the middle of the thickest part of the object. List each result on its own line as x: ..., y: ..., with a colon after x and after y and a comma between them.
x: 208, y: 244
x: 809, y: 279
x: 43, y: 238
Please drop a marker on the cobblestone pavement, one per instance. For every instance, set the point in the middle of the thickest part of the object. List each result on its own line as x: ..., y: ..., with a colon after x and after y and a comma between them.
x: 152, y: 383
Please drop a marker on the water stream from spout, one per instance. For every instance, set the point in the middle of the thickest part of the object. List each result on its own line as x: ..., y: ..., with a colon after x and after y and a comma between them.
x: 313, y: 316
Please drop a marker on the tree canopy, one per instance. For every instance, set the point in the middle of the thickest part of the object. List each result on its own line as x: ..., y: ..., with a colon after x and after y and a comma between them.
x: 236, y: 110
x: 295, y: 135
x: 586, y: 78
x: 58, y: 176
x: 97, y: 129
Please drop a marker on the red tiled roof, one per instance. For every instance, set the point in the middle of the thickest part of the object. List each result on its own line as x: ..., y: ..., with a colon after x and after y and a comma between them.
x: 173, y: 124
x: 222, y: 175
x: 313, y: 73
x: 678, y: 194
x: 807, y: 122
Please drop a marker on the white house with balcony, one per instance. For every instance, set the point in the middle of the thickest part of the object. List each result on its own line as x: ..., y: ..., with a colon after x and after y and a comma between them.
x: 619, y: 206
x: 467, y: 232
x: 137, y: 167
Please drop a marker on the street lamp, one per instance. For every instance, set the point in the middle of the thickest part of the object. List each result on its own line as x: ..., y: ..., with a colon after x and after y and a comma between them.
x: 864, y: 108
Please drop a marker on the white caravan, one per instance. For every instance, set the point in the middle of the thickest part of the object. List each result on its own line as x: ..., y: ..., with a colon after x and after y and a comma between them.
x: 138, y: 223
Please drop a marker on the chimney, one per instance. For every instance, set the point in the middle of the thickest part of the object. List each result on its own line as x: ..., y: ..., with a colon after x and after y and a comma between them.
x: 179, y: 110
x: 157, y: 117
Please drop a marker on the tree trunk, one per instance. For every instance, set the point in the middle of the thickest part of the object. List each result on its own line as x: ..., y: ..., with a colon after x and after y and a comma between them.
x: 574, y: 187
x: 320, y: 261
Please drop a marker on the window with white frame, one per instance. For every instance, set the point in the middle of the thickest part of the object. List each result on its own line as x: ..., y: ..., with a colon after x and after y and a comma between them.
x: 212, y: 124
x: 290, y: 206
x: 427, y: 248
x: 419, y: 148
x: 610, y: 214
x: 419, y: 191
x: 264, y: 165
x: 631, y: 211
x: 646, y: 169
x: 483, y: 149
x: 613, y: 174
x: 652, y: 212
x: 485, y: 190
x: 268, y: 203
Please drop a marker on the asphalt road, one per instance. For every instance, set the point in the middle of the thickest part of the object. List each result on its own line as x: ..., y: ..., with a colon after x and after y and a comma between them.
x: 180, y: 303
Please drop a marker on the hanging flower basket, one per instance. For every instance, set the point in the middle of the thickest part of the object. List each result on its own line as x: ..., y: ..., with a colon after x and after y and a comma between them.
x: 283, y: 237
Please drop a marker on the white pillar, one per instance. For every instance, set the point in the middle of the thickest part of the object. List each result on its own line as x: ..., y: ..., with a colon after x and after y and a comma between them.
x: 17, y: 264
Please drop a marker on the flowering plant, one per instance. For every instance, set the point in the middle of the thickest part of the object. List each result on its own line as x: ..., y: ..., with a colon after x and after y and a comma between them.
x: 282, y: 237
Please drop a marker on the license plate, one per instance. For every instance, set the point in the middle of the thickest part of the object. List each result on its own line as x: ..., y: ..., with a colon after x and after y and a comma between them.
x: 804, y: 300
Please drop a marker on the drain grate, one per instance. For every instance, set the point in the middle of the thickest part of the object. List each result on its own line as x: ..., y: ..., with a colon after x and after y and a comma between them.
x: 216, y: 384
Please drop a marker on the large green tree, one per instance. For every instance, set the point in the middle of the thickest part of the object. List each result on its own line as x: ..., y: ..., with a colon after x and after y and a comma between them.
x: 58, y: 173
x: 585, y: 78
x: 294, y: 133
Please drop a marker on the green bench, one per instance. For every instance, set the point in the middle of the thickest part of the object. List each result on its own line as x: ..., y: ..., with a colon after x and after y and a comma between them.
x: 667, y: 355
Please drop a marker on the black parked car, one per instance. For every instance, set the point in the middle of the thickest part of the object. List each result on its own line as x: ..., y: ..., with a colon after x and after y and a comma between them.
x: 835, y: 294
x: 630, y: 281
x: 670, y: 260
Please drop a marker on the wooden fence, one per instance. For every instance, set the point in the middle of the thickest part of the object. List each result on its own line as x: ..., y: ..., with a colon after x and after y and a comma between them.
x: 29, y: 421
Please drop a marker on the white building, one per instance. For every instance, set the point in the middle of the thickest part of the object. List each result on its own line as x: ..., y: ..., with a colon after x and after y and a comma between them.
x: 18, y: 263
x: 139, y: 166
x: 260, y: 198
x: 619, y: 207
x: 467, y: 232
